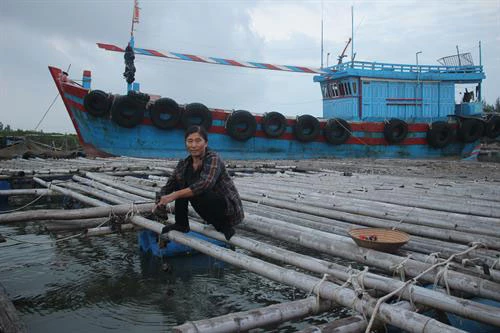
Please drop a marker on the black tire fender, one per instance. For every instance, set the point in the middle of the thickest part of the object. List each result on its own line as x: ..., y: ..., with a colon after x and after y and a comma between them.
x: 470, y: 130
x: 439, y: 134
x: 98, y: 103
x: 241, y: 125
x: 165, y: 113
x: 306, y: 128
x: 274, y: 124
x: 492, y: 129
x: 196, y: 114
x: 127, y: 111
x: 395, y: 130
x: 337, y: 131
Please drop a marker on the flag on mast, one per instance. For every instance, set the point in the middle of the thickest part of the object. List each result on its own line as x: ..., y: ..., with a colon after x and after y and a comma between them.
x: 135, y: 18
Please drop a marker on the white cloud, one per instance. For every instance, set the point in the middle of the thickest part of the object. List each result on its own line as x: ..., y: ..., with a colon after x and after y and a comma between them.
x: 281, y: 32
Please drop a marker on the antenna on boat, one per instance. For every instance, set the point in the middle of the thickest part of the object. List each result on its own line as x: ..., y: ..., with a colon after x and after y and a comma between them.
x: 458, y: 57
x: 352, y: 34
x: 322, y: 34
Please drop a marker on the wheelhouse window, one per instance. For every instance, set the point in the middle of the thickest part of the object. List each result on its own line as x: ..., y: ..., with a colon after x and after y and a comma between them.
x: 334, y: 89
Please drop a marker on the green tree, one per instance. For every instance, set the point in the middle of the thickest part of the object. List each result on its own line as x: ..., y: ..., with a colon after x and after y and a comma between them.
x: 497, y: 105
x: 488, y: 108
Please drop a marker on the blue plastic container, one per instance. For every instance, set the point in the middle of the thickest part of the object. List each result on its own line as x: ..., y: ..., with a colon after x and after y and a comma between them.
x: 471, y: 325
x: 148, y: 242
x: 4, y: 185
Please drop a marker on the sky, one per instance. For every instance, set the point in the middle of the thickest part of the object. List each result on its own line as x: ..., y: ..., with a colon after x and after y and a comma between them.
x: 63, y: 33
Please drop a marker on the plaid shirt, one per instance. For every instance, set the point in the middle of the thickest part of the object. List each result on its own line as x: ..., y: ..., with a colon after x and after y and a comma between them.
x: 213, y: 176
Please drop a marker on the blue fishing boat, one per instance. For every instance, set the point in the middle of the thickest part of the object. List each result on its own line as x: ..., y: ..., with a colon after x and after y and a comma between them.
x: 370, y: 109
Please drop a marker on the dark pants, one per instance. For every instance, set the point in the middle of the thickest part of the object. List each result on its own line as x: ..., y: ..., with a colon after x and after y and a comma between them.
x: 209, y: 205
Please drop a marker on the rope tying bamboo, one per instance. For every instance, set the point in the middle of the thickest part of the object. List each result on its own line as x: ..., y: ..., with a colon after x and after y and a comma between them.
x: 415, y: 279
x: 315, y: 290
x: 193, y: 325
x: 497, y: 261
x: 400, y: 268
x: 465, y: 261
x: 434, y: 255
x: 358, y: 285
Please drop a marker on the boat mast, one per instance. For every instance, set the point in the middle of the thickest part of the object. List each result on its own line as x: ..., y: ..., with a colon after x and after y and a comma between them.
x: 129, y: 56
x: 135, y: 19
x: 480, y: 64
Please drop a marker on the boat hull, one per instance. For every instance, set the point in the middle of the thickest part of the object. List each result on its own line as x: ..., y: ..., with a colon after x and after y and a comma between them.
x: 103, y: 137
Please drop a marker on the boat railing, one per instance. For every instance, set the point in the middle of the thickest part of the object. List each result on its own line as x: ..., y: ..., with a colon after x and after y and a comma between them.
x: 376, y: 66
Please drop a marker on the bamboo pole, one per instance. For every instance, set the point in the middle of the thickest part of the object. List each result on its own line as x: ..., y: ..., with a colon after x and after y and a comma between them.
x: 344, y: 247
x: 457, y: 236
x: 420, y: 295
x: 470, y: 190
x: 462, y: 206
x: 398, y: 317
x: 255, y: 318
x: 419, y: 244
x: 109, y: 189
x: 9, y: 319
x: 455, y: 221
x: 78, y: 224
x: 110, y: 181
x: 28, y: 191
x: 108, y: 197
x: 411, y: 185
x: 101, y: 231
x: 353, y: 324
x: 57, y: 214
x: 80, y: 197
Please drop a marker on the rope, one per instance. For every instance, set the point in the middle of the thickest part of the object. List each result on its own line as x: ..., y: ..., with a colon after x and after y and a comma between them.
x: 351, y: 133
x: 400, y: 268
x: 27, y: 205
x: 465, y: 261
x: 495, y: 263
x: 47, y: 242
x: 443, y: 272
x: 194, y: 326
x: 401, y: 221
x: 434, y: 255
x: 52, y: 241
x: 315, y: 290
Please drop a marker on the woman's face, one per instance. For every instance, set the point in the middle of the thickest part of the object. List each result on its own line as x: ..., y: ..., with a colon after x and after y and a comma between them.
x: 196, y: 145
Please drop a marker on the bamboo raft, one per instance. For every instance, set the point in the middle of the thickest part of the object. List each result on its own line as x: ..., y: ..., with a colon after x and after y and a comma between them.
x: 452, y: 218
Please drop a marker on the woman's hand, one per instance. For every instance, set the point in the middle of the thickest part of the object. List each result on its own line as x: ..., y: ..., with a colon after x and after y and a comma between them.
x: 165, y: 200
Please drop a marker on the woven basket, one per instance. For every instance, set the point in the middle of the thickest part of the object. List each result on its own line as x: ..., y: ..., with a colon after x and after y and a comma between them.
x: 387, y: 240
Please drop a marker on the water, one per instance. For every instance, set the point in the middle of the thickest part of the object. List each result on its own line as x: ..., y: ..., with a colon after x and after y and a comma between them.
x: 104, y: 284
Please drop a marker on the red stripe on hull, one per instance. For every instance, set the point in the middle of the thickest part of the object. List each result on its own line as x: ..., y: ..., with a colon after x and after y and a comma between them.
x: 56, y: 75
x: 74, y: 90
x: 363, y: 127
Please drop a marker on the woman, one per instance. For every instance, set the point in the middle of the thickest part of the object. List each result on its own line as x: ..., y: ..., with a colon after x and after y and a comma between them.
x: 202, y: 179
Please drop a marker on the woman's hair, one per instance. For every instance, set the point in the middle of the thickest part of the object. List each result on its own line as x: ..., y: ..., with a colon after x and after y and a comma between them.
x: 196, y: 129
